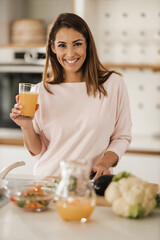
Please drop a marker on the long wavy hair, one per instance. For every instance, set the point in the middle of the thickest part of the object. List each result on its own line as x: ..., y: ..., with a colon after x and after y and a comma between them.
x: 94, y: 73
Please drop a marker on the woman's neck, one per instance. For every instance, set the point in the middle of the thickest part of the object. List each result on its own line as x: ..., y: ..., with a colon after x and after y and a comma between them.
x: 73, y: 77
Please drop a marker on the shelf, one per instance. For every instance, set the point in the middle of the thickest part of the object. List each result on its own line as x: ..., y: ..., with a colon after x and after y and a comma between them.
x: 22, y: 46
x: 11, y: 142
x: 153, y: 67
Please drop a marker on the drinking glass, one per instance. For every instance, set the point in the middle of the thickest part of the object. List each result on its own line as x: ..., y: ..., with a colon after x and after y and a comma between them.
x: 28, y: 96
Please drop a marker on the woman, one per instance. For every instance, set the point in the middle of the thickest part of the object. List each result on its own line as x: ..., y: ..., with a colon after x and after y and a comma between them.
x: 83, y: 108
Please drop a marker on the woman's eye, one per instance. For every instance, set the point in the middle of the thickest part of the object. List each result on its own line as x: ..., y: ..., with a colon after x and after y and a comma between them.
x: 78, y: 44
x: 61, y: 45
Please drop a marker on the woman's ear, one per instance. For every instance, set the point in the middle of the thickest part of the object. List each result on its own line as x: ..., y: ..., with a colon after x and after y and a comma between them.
x: 53, y: 48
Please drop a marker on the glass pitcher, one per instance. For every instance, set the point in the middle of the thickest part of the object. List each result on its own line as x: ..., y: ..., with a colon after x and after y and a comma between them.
x: 75, y: 197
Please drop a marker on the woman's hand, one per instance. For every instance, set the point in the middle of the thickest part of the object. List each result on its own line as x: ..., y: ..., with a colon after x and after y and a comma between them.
x: 16, y: 112
x: 102, y: 166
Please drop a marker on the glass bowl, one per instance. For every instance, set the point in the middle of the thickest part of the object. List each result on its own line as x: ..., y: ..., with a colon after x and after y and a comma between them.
x: 31, y: 197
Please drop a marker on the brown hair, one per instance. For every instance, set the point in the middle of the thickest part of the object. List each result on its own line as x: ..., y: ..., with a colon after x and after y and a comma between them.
x: 93, y: 71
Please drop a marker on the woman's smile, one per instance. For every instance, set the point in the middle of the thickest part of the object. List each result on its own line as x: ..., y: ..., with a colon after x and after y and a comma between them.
x: 71, y: 61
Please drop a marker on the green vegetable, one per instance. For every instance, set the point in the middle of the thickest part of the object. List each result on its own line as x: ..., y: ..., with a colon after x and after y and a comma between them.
x: 158, y: 200
x: 121, y: 175
x: 136, y: 211
x: 51, y: 184
x: 21, y: 203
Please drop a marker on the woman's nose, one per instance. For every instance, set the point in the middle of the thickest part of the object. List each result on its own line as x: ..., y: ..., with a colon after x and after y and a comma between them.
x: 70, y: 51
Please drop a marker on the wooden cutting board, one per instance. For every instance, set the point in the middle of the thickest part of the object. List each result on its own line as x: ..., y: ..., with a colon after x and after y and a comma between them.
x: 101, y: 201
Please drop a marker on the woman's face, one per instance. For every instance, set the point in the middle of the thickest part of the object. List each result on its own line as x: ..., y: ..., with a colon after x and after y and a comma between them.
x: 70, y: 49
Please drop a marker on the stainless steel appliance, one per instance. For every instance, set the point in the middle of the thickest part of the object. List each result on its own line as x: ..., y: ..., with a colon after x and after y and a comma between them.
x: 17, y: 65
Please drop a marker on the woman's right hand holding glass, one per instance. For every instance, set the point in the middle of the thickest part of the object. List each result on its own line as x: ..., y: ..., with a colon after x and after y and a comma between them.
x: 16, y: 112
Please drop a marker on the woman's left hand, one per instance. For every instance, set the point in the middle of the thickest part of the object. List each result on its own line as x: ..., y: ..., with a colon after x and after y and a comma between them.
x: 103, y: 165
x: 101, y: 169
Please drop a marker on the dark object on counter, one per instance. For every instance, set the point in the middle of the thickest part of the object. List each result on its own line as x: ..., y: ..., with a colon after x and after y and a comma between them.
x: 101, y: 183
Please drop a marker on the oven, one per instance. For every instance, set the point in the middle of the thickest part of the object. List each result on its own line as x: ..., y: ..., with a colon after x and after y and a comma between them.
x: 17, y: 65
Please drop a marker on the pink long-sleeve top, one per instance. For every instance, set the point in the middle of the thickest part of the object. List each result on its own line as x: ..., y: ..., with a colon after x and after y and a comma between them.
x: 73, y: 125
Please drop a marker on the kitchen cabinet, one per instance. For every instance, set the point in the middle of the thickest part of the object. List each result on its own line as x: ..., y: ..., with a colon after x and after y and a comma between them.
x: 142, y: 159
x: 146, y: 167
x: 12, y: 154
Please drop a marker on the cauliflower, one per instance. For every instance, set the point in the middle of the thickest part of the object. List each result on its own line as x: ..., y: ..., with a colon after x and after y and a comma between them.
x: 130, y: 196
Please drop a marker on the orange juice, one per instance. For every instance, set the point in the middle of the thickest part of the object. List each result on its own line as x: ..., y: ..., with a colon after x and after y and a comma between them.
x: 28, y: 100
x: 76, y: 209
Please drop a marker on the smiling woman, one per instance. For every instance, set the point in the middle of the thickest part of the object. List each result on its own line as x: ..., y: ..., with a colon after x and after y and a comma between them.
x: 83, y: 109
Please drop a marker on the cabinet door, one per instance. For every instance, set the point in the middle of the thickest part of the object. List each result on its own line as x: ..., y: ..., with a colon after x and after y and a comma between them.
x: 12, y: 154
x: 146, y: 167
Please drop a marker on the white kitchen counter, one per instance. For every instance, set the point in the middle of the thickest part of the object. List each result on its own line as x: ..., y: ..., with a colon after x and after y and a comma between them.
x: 18, y: 224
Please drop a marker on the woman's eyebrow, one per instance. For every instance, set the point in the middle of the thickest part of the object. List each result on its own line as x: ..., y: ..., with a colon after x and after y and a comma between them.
x: 72, y: 42
x: 61, y: 42
x: 78, y: 40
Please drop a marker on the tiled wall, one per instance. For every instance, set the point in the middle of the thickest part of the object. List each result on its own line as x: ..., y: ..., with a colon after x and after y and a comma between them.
x: 128, y: 31
x: 144, y: 93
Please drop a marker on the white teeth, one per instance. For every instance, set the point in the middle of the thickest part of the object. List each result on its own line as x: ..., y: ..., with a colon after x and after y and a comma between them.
x: 71, y: 61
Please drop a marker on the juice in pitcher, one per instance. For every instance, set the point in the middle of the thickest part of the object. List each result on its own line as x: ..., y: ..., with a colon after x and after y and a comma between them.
x: 76, y: 209
x: 75, y: 197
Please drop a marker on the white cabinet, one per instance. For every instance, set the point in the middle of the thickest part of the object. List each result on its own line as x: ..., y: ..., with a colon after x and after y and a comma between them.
x: 144, y: 166
x: 11, y: 154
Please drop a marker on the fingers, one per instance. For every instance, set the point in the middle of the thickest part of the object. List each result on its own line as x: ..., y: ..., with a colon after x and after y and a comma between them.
x: 99, y: 171
x: 98, y: 174
x: 16, y: 110
x: 17, y: 106
x: 17, y: 98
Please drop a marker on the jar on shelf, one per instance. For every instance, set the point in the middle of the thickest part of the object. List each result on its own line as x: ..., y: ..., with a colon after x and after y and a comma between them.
x: 75, y: 197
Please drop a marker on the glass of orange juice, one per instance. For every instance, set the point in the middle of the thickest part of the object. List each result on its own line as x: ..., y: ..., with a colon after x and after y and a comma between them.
x: 28, y: 96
